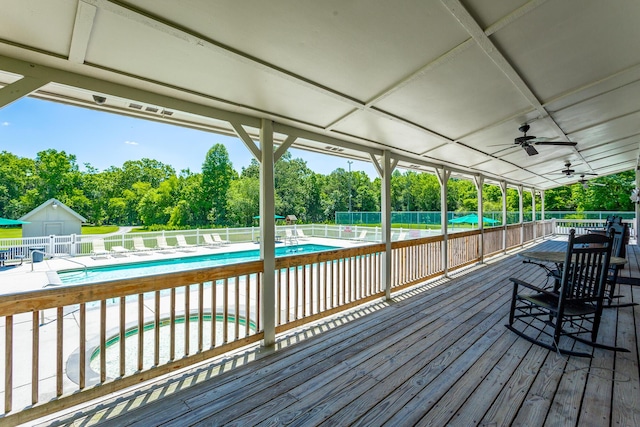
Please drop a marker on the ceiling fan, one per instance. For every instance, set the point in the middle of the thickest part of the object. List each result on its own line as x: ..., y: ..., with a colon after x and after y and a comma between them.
x: 528, y: 141
x: 585, y: 183
x: 567, y: 171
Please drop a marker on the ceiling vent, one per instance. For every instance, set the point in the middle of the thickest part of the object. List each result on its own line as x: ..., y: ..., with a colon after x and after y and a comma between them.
x: 135, y: 106
x: 167, y: 113
x: 151, y: 109
x: 334, y: 149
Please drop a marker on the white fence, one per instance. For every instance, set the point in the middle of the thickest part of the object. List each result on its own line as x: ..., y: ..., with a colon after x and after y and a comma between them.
x: 19, y: 249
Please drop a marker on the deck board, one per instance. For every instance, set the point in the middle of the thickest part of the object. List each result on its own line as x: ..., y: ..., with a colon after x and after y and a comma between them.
x: 438, y: 354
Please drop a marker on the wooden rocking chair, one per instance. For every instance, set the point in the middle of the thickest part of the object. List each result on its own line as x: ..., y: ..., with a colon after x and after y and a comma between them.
x: 544, y: 316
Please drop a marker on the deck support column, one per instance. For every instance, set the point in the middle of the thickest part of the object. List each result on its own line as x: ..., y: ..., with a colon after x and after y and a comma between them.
x: 267, y: 233
x: 544, y: 226
x: 385, y: 168
x: 521, y: 214
x: 479, y: 182
x: 443, y: 177
x: 503, y: 189
x: 533, y: 214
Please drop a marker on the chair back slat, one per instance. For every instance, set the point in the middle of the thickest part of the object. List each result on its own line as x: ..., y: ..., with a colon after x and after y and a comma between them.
x: 586, y: 268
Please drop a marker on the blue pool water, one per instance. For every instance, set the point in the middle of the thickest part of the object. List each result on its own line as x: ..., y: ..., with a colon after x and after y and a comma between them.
x: 171, y: 265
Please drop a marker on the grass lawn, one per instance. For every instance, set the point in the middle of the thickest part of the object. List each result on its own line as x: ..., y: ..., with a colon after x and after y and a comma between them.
x: 94, y: 229
x: 10, y: 233
x: 16, y: 232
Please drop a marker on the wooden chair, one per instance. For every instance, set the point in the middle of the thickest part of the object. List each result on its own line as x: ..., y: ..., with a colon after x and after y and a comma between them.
x: 620, y: 235
x: 544, y: 316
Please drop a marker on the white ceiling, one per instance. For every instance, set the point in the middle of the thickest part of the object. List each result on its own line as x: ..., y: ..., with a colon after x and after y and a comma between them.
x: 435, y: 82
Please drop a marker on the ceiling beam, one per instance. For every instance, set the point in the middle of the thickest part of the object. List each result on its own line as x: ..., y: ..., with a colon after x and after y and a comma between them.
x: 19, y: 89
x: 482, y: 39
x: 85, y: 15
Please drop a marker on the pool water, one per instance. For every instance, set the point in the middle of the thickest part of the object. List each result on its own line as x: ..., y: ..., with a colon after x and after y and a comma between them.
x: 131, y: 343
x: 171, y: 265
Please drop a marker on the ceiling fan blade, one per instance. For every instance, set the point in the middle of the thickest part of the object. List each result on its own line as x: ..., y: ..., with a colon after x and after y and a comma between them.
x: 523, y: 139
x: 567, y: 143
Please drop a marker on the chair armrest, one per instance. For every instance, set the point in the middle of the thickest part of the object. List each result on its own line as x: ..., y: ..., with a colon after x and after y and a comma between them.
x: 518, y: 282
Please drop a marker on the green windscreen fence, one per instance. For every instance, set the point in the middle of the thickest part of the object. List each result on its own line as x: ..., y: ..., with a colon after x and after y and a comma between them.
x: 425, y: 218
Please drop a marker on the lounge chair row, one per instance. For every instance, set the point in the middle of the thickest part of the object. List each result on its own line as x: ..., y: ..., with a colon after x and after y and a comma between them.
x: 99, y: 249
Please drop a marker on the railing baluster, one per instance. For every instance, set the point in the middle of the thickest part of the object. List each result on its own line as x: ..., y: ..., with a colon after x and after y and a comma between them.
x: 59, y: 349
x: 236, y: 326
x: 156, y: 330
x: 172, y: 326
x: 82, y: 345
x: 200, y: 316
x: 288, y: 294
x: 140, y: 332
x: 302, y: 270
x: 214, y: 312
x: 123, y: 322
x: 279, y: 304
x: 225, y: 311
x: 187, y: 319
x: 8, y: 363
x: 258, y: 299
x: 247, y: 305
x: 103, y: 340
x: 35, y: 351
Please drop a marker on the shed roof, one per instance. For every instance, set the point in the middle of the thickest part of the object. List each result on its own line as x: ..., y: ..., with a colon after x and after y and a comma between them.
x: 49, y: 202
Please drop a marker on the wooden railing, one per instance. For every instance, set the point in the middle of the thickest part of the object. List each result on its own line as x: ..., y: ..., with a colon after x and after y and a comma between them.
x: 312, y: 286
x: 67, y: 345
x: 493, y: 241
x: 51, y: 335
x: 414, y: 261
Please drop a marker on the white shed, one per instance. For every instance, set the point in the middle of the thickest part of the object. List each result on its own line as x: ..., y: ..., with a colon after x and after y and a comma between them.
x: 52, y: 218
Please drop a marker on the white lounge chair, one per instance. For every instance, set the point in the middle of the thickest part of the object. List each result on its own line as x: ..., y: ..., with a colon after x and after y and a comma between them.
x: 98, y: 249
x: 183, y: 245
x: 218, y: 239
x: 361, y: 237
x: 209, y: 243
x: 163, y: 245
x: 119, y: 251
x: 301, y: 234
x: 139, y: 246
x: 289, y: 237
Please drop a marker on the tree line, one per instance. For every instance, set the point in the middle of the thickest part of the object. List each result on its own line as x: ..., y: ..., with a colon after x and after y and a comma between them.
x: 152, y: 194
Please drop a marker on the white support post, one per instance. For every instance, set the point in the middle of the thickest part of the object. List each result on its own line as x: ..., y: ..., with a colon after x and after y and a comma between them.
x: 387, y: 169
x: 267, y: 233
x: 479, y: 182
x: 544, y: 228
x: 443, y: 177
x: 521, y: 213
x: 636, y: 224
x: 503, y: 189
x: 533, y: 214
x: 384, y: 171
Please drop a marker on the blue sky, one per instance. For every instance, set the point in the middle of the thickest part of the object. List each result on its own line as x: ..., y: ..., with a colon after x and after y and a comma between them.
x: 101, y: 139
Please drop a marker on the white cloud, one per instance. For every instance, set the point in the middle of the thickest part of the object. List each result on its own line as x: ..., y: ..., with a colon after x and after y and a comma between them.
x: 131, y: 143
x: 5, y: 123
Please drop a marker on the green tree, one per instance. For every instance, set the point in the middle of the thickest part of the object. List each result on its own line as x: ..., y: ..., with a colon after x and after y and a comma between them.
x: 217, y: 174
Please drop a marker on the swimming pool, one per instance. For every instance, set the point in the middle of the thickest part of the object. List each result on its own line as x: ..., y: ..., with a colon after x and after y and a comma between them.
x: 171, y: 265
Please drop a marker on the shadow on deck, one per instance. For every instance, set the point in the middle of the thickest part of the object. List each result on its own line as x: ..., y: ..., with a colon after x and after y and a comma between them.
x: 438, y: 354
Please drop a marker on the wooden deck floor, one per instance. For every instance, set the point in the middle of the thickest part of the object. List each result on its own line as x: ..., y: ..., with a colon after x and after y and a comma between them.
x: 437, y: 355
